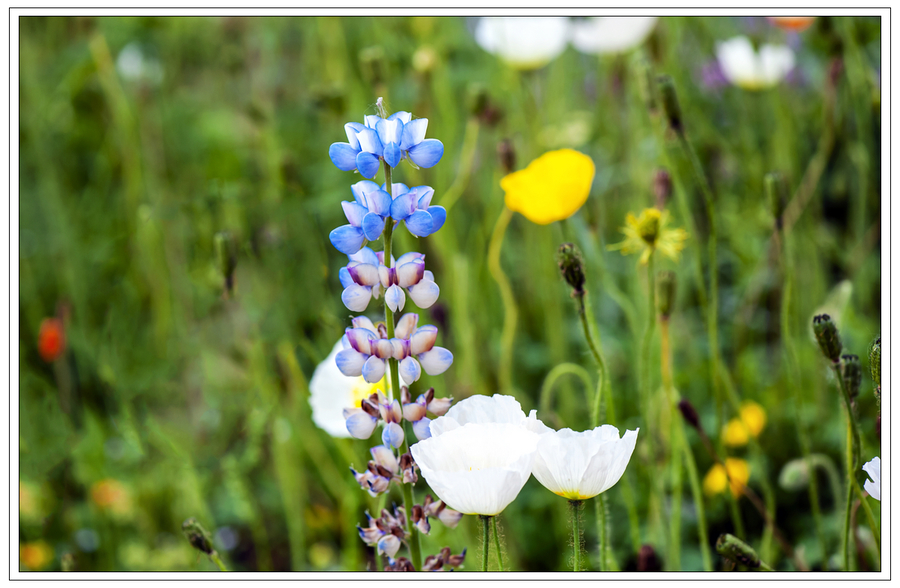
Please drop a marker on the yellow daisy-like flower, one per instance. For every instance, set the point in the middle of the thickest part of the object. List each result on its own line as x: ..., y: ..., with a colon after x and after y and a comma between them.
x: 553, y: 186
x: 647, y: 233
x: 751, y: 421
x: 36, y: 555
x: 716, y: 480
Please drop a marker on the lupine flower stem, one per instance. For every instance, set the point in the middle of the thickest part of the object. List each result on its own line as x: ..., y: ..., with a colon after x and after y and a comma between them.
x: 575, y: 506
x: 510, y: 311
x: 415, y: 553
x: 485, y: 543
x: 497, y: 542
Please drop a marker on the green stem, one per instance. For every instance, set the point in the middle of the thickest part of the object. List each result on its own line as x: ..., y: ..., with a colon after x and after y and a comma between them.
x: 654, y: 499
x: 555, y: 374
x: 485, y: 544
x: 697, y: 493
x: 466, y: 159
x: 216, y: 560
x: 510, y: 311
x: 876, y: 534
x: 600, y: 508
x: 497, y: 542
x: 674, y: 447
x: 575, y: 506
x: 845, y: 538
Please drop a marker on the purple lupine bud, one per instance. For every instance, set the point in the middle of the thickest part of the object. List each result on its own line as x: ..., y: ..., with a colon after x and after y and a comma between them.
x: 350, y: 362
x: 433, y: 563
x: 378, y: 485
x: 393, y: 436
x: 373, y: 369
x: 382, y: 331
x: 410, y: 273
x: 382, y: 349
x: 405, y: 396
x: 435, y: 361
x: 389, y: 544
x: 361, y: 425
x: 423, y: 339
x: 450, y: 518
x: 401, y: 564
x: 363, y: 322
x: 424, y: 294
x: 422, y: 428
x: 360, y: 340
x: 440, y: 406
x: 391, y: 412
x: 400, y: 349
x: 370, y: 406
x: 395, y: 298
x: 364, y: 274
x: 406, y: 326
x: 420, y: 520
x: 454, y: 561
x: 410, y: 371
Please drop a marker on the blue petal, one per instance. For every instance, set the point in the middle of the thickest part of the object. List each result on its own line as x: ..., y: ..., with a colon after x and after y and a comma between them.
x: 397, y: 189
x: 425, y: 193
x: 410, y: 370
x: 372, y: 226
x: 413, y: 133
x: 379, y: 202
x: 436, y: 361
x: 344, y: 277
x: 402, y: 115
x: 350, y: 362
x: 389, y: 130
x: 392, y: 154
x: 392, y: 435
x: 372, y: 120
x: 367, y: 164
x: 360, y: 425
x: 422, y: 428
x: 354, y: 212
x: 373, y: 369
x: 369, y: 141
x: 352, y: 128
x: 347, y: 239
x: 438, y: 216
x: 356, y: 298
x: 343, y: 155
x: 362, y: 188
x: 403, y: 206
x: 427, y: 153
x: 419, y: 223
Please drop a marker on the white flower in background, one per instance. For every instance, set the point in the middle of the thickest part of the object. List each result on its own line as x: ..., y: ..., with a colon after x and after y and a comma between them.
x: 477, y: 468
x: 611, y: 34
x: 524, y: 42
x: 330, y: 392
x: 133, y: 65
x: 579, y: 466
x: 873, y: 486
x: 750, y: 70
x: 496, y: 409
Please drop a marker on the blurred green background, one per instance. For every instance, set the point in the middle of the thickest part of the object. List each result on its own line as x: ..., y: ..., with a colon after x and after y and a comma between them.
x: 173, y: 401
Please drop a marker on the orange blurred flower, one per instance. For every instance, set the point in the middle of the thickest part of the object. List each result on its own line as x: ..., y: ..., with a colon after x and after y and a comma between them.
x: 36, y: 555
x: 792, y: 23
x: 111, y: 495
x: 51, y: 339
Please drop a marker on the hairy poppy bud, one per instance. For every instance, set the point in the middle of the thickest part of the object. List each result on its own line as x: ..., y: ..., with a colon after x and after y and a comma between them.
x: 851, y: 372
x: 732, y: 548
x: 827, y: 336
x: 669, y: 100
x: 875, y: 365
x: 197, y: 536
x: 572, y: 267
x: 689, y: 413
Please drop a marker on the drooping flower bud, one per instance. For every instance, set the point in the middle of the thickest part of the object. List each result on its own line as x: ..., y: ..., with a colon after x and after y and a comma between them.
x: 665, y: 292
x: 669, y: 100
x: 571, y: 266
x: 732, y: 548
x: 851, y: 372
x: 648, y: 561
x: 689, y: 413
x: 662, y: 187
x: 794, y: 475
x: 827, y: 335
x: 197, y: 536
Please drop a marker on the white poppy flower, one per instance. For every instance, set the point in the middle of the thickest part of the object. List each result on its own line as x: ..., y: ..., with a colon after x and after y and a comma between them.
x: 873, y: 486
x: 750, y: 70
x: 611, y: 34
x: 523, y: 42
x: 477, y: 468
x: 499, y: 409
x: 330, y: 392
x: 579, y: 466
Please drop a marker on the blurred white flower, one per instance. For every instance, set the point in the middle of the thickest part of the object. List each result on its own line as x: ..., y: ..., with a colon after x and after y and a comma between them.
x: 477, y: 468
x: 496, y: 409
x: 750, y: 70
x: 873, y: 486
x: 330, y: 392
x: 611, y: 34
x: 579, y: 466
x: 133, y: 65
x: 523, y: 42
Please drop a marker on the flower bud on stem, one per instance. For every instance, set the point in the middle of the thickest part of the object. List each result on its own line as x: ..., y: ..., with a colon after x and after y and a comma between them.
x: 738, y: 552
x: 199, y: 539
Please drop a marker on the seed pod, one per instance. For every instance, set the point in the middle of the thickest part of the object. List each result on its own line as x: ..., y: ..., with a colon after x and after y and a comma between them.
x: 851, y: 372
x: 827, y: 335
x: 875, y: 365
x: 732, y: 548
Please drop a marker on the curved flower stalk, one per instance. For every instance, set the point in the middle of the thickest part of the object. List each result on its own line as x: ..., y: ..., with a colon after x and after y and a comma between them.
x: 388, y: 139
x: 873, y: 486
x: 578, y: 466
x: 366, y: 350
x: 477, y: 468
x: 745, y: 67
x: 373, y: 207
x: 366, y: 277
x: 523, y: 43
x: 611, y: 34
x: 553, y: 186
x: 330, y: 392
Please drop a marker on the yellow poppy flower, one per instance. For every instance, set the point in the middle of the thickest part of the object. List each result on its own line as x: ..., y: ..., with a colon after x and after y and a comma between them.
x: 647, y: 233
x: 751, y: 421
x: 715, y: 480
x: 36, y: 555
x: 553, y: 186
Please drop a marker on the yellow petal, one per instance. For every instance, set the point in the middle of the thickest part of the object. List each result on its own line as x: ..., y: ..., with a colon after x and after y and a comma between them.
x: 754, y: 417
x: 553, y: 186
x: 735, y: 433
